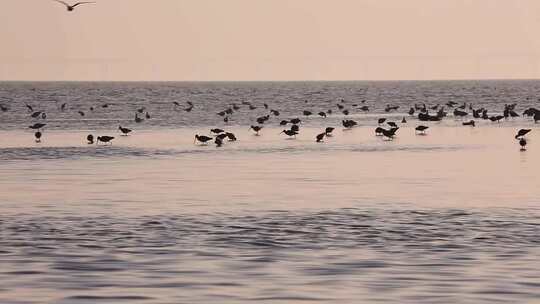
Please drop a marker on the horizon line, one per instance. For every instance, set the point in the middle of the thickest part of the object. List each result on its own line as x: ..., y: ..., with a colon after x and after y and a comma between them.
x: 277, y: 81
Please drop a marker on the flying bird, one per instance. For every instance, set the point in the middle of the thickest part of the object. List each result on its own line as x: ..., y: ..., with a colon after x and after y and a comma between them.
x: 70, y: 8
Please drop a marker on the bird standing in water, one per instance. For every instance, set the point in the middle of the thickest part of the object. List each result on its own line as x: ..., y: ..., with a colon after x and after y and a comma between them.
x: 521, y: 133
x: 104, y: 139
x: 201, y: 138
x: 38, y: 136
x: 256, y: 129
x: 125, y: 131
x: 523, y: 143
x: 421, y: 130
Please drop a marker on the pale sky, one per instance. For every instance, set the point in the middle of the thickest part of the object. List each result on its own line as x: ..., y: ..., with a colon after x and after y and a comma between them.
x: 270, y: 40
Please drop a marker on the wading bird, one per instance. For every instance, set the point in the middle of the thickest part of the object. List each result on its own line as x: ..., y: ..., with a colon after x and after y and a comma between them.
x: 125, y: 131
x: 202, y: 139
x: 104, y: 139
x: 421, y: 130
x: 521, y: 133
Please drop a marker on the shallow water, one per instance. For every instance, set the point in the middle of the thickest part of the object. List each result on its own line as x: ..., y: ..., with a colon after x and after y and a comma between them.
x: 453, y: 216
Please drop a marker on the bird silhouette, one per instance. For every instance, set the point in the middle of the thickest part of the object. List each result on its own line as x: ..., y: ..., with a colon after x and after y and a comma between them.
x: 90, y: 139
x: 289, y: 133
x: 125, y: 131
x: 256, y: 129
x: 38, y: 136
x: 201, y: 138
x: 328, y: 131
x: 320, y: 137
x: 104, y: 139
x: 521, y: 133
x: 523, y: 143
x: 70, y: 8
x: 37, y: 126
x: 421, y: 130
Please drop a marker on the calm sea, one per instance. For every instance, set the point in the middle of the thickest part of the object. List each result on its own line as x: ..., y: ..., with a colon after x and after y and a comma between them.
x: 450, y: 217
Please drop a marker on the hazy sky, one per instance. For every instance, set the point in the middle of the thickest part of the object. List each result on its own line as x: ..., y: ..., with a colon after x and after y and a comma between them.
x: 270, y: 40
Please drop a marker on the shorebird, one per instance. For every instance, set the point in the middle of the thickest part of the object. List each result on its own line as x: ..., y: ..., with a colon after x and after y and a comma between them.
x: 138, y: 119
x: 348, y: 124
x: 404, y: 120
x: 381, y: 120
x: 307, y: 113
x: 521, y: 133
x: 328, y: 131
x: 523, y: 143
x: 147, y: 115
x: 217, y: 131
x: 218, y: 142
x: 201, y: 138
x: 256, y: 129
x: 320, y: 137
x: 391, y: 124
x: 322, y: 114
x: 421, y: 130
x: 230, y: 136
x: 389, y: 133
x: 469, y: 123
x: 90, y: 139
x: 125, y: 131
x: 104, y: 139
x: 70, y: 8
x: 289, y: 133
x: 37, y: 126
x: 295, y: 128
x: 295, y: 121
x: 38, y: 136
x: 459, y: 113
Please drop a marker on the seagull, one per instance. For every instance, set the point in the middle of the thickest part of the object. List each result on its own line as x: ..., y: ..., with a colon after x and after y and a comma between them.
x: 521, y: 133
x: 70, y: 8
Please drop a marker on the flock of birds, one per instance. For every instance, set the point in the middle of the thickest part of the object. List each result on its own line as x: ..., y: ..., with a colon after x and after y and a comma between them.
x: 385, y: 129
x: 219, y: 135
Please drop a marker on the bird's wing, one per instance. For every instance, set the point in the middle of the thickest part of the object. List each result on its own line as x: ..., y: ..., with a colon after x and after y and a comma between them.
x: 79, y: 3
x: 64, y: 3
